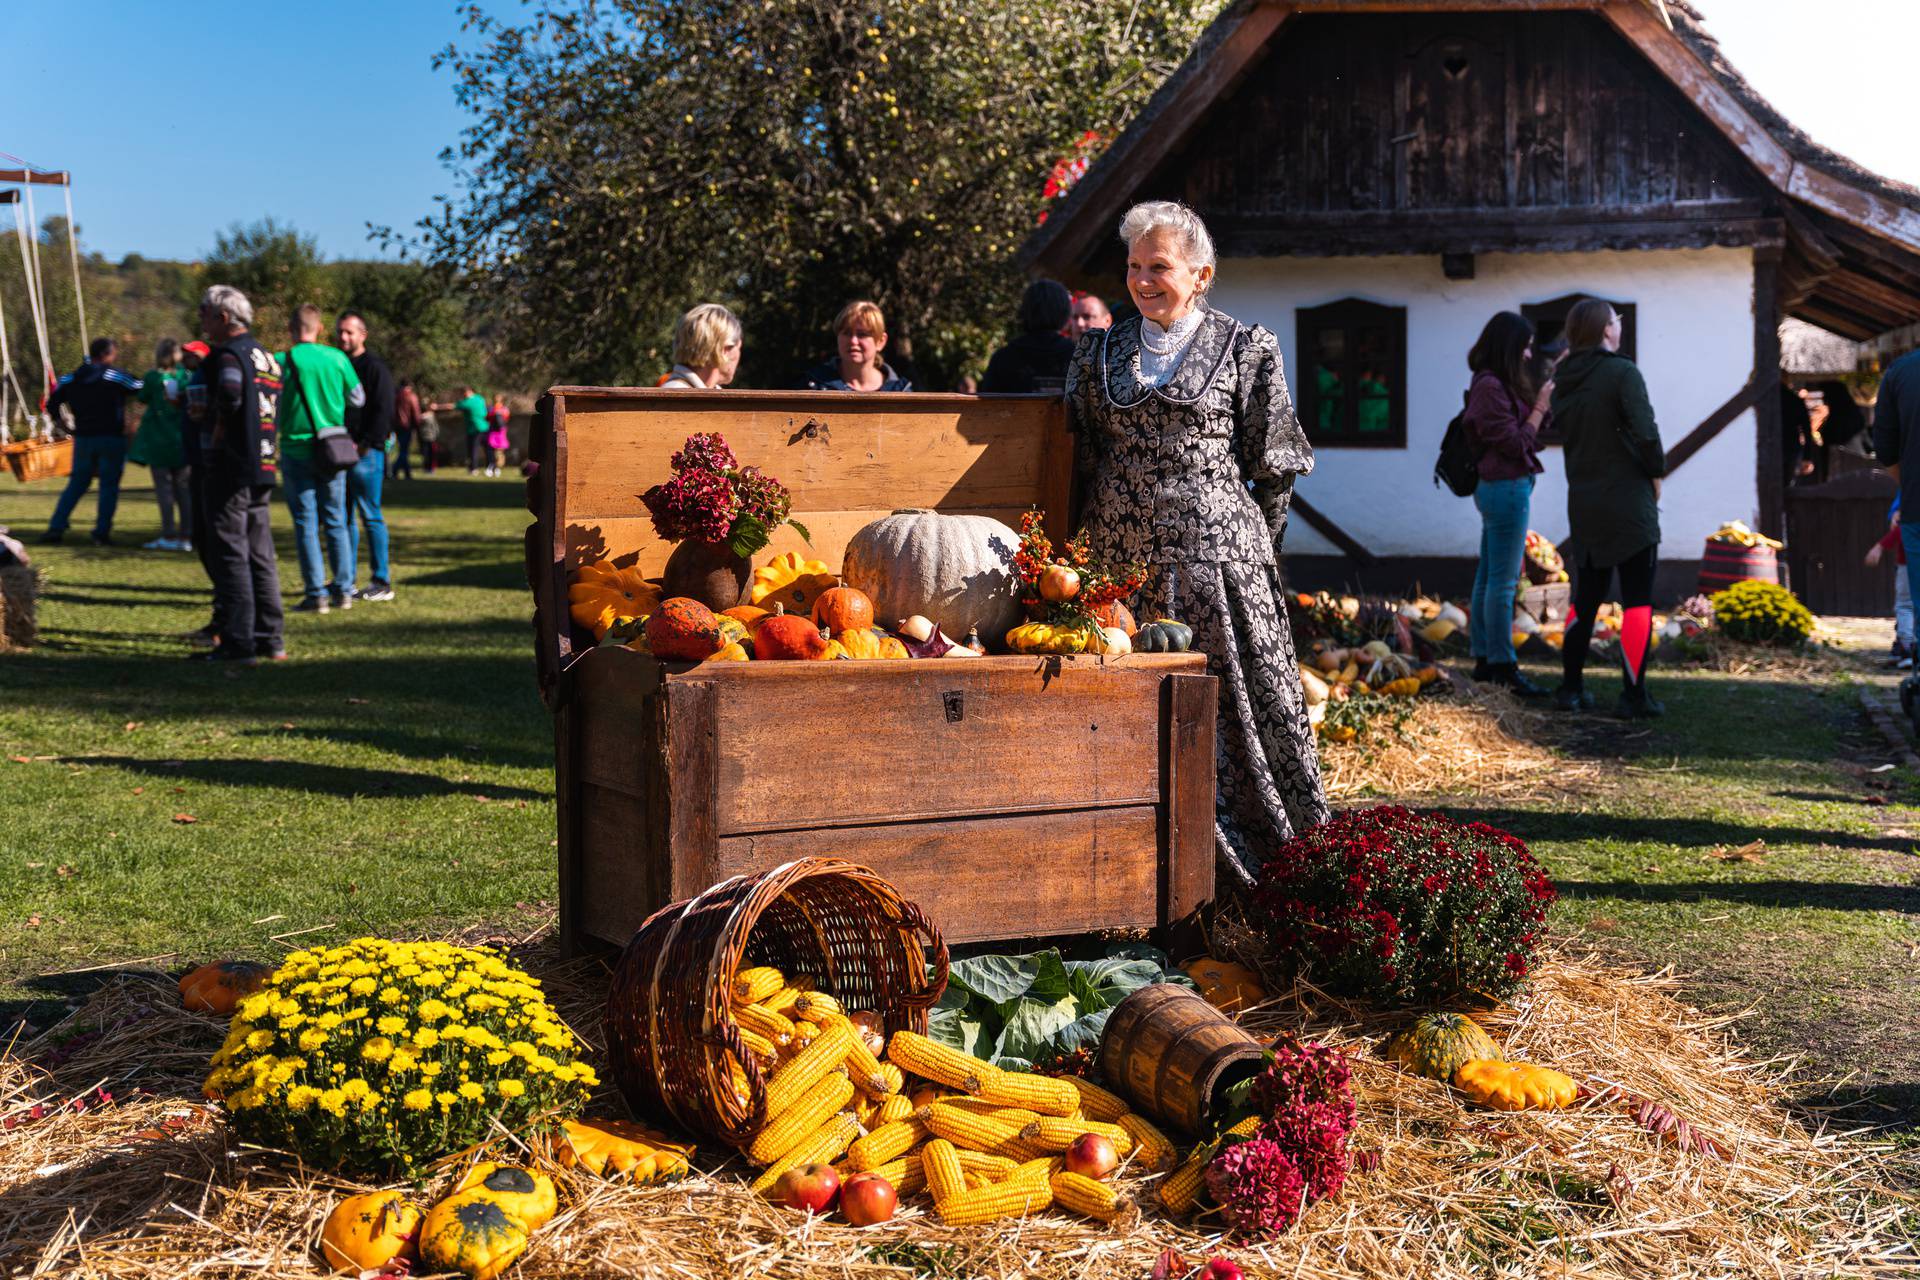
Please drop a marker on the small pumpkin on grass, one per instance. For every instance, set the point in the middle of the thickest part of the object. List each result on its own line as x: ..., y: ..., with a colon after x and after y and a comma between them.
x: 1438, y: 1044
x: 366, y: 1232
x: 1515, y: 1086
x: 527, y: 1194
x: 220, y: 986
x: 470, y: 1233
x: 600, y: 593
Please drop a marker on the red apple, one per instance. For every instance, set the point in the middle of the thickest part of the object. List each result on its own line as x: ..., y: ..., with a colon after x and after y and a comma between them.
x: 1057, y: 583
x: 866, y: 1199
x: 1219, y: 1268
x: 1092, y: 1156
x: 812, y: 1187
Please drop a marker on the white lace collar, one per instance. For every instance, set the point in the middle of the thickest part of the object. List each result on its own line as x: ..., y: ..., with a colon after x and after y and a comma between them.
x: 1162, y: 349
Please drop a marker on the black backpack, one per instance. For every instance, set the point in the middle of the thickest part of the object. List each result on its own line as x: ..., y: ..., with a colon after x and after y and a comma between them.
x: 1459, y: 464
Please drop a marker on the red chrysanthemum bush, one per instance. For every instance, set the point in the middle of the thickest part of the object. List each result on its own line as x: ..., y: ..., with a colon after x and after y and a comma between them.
x: 1299, y: 1154
x: 1406, y: 908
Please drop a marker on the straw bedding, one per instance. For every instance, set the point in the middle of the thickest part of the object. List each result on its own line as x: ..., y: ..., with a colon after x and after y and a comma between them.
x: 148, y: 1186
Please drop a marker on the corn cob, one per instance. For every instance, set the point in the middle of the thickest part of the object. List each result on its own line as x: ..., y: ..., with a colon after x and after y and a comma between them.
x: 816, y: 1006
x: 907, y: 1174
x: 781, y: 1001
x: 967, y: 1129
x: 804, y: 1034
x: 894, y: 1107
x: 786, y: 1130
x: 804, y: 1069
x: 1097, y: 1103
x: 917, y: 1055
x: 1019, y: 1116
x: 1038, y: 1169
x: 1055, y: 1134
x: 941, y: 1161
x: 861, y: 1064
x: 1048, y: 1096
x: 753, y: 985
x: 764, y: 1022
x: 1151, y: 1147
x: 896, y: 1079
x: 1180, y: 1190
x: 995, y: 1168
x: 987, y: 1204
x: 864, y: 1110
x: 888, y: 1142
x: 760, y: 1047
x: 1082, y: 1194
x: 975, y: 1181
x: 820, y: 1147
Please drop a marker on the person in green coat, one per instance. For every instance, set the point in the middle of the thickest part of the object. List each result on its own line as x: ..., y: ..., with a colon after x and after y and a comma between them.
x: 158, y: 444
x: 1614, y: 464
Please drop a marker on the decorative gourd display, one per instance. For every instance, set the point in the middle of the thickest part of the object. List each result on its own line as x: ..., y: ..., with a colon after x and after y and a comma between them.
x: 600, y: 593
x: 1163, y: 635
x: 1438, y: 1044
x: 366, y: 1232
x: 1226, y: 985
x: 863, y: 644
x: 843, y: 608
x: 1515, y: 1086
x: 747, y: 615
x: 218, y: 987
x: 1110, y: 641
x: 789, y: 637
x: 956, y: 570
x: 684, y: 629
x: 621, y: 1148
x: 732, y: 630
x: 791, y: 581
x: 470, y: 1233
x: 1115, y: 613
x: 733, y: 652
x: 525, y: 1193
x: 1043, y: 637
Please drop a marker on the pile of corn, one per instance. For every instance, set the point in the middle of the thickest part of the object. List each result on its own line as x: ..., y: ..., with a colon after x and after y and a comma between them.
x: 981, y: 1142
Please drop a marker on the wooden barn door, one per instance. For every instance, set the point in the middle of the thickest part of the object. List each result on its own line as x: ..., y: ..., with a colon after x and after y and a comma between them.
x: 1829, y: 528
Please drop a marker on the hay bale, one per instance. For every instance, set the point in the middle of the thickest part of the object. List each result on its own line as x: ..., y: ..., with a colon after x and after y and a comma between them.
x: 19, y: 596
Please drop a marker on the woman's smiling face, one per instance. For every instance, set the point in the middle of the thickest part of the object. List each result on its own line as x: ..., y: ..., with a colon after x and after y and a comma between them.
x: 1164, y: 285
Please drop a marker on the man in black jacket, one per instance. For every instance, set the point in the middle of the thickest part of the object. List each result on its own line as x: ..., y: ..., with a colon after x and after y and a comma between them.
x: 365, y: 480
x: 1896, y: 437
x: 96, y: 394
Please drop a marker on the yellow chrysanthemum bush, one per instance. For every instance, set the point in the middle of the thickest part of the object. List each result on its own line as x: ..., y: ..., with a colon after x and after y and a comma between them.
x: 1757, y: 612
x: 379, y: 1056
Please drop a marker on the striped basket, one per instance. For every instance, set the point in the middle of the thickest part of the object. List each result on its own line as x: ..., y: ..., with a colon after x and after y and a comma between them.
x: 1725, y: 564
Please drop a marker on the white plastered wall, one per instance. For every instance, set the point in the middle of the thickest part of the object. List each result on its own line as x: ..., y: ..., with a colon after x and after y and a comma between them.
x: 1694, y: 344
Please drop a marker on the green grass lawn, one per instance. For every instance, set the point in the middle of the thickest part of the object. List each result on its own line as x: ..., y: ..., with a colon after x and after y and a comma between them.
x: 397, y: 776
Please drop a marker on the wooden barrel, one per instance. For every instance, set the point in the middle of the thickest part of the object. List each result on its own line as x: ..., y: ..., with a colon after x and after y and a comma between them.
x: 1724, y: 564
x: 1171, y: 1054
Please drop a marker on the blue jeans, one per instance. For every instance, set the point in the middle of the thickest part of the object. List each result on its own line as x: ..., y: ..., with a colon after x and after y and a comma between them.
x: 103, y: 456
x: 1909, y: 540
x: 318, y: 506
x: 364, y: 481
x: 1504, y: 506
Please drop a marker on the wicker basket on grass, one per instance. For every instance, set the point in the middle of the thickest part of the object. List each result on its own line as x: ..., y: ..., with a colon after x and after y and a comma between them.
x: 670, y: 1031
x: 39, y: 459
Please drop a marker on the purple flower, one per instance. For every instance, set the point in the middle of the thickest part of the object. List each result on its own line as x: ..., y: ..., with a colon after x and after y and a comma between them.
x: 1258, y: 1187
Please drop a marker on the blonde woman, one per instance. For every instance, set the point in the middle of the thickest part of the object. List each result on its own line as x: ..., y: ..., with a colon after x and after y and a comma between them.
x: 706, y: 349
x: 860, y: 333
x: 1188, y: 445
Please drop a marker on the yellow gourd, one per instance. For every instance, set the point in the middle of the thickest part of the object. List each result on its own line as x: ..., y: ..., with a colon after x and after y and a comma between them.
x: 891, y: 647
x: 1226, y: 985
x: 863, y: 643
x: 734, y: 652
x: 525, y: 1193
x: 1515, y: 1086
x: 599, y: 593
x: 1404, y: 687
x: 732, y: 630
x: 621, y: 1148
x: 366, y: 1232
x: 791, y: 580
x: 470, y: 1233
x: 1041, y: 637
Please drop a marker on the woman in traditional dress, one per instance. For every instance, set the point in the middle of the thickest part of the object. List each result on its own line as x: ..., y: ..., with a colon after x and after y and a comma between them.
x: 1188, y: 446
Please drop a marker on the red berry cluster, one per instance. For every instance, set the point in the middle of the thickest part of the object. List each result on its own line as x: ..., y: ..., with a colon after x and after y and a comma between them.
x: 1100, y: 584
x: 1407, y: 908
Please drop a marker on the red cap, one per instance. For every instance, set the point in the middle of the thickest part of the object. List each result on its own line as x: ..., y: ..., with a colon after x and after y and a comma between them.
x: 198, y: 348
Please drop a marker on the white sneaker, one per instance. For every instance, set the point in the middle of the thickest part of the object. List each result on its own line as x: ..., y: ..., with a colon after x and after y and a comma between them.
x: 158, y: 544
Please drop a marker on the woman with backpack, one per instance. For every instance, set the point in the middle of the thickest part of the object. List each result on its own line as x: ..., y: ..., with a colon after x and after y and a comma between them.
x: 1505, y: 411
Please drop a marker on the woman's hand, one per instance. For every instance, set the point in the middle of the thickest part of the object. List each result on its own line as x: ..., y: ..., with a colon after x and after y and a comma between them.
x: 1544, y: 401
x: 1873, y: 556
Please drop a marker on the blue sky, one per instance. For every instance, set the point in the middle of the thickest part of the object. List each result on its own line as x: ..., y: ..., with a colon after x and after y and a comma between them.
x: 342, y: 118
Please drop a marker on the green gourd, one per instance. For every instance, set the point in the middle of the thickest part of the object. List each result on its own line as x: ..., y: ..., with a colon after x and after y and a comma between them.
x: 1163, y: 635
x: 1438, y: 1044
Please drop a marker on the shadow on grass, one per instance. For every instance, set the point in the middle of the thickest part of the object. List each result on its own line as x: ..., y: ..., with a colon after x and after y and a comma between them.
x: 1688, y: 832
x: 1885, y: 1104
x: 493, y: 575
x: 1799, y: 894
x: 421, y: 746
x: 300, y: 775
x: 455, y: 491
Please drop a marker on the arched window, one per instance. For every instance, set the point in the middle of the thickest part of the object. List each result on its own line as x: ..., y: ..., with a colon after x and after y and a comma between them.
x: 1351, y: 382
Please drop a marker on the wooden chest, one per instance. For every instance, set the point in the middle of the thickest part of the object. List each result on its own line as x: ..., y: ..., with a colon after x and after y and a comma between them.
x: 1010, y: 796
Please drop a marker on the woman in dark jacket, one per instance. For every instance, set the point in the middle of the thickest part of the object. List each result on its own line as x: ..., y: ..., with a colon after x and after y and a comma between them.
x: 1037, y: 359
x: 1505, y: 410
x: 1614, y: 465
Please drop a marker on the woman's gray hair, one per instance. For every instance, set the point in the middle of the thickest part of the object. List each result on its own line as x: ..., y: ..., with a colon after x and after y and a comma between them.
x: 1189, y: 232
x: 224, y: 297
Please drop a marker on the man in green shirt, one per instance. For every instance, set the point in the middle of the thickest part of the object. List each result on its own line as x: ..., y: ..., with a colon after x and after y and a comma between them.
x: 318, y: 394
x: 472, y: 408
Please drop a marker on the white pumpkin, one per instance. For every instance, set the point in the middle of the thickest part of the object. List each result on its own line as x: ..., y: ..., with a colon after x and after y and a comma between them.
x: 1113, y: 642
x: 956, y: 570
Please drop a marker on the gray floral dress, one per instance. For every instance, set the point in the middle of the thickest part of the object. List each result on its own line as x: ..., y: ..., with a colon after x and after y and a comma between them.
x: 1192, y: 478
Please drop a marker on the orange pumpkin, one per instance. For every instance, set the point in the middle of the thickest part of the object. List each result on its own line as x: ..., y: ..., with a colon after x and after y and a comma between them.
x: 218, y: 987
x: 747, y: 615
x: 683, y: 628
x: 600, y: 593
x: 789, y: 636
x: 843, y: 609
x: 1116, y: 614
x: 369, y: 1231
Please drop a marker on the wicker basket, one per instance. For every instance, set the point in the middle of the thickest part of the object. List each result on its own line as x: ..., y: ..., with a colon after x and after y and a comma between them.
x: 39, y: 459
x: 670, y: 1027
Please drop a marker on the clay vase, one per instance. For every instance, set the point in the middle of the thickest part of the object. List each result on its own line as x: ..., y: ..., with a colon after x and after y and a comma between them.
x: 708, y: 572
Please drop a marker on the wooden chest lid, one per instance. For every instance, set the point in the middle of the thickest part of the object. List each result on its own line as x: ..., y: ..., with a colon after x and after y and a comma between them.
x: 848, y: 459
